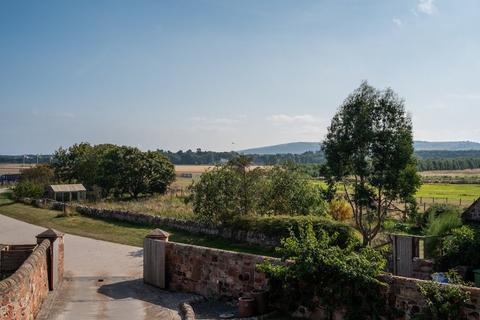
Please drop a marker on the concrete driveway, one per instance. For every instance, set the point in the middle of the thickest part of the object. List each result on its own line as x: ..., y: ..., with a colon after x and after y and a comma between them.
x: 103, y: 280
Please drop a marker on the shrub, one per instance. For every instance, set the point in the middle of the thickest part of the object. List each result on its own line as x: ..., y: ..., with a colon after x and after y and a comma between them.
x: 281, y: 227
x: 443, y: 302
x: 321, y: 272
x: 29, y: 189
x: 441, y: 220
x: 340, y: 210
x: 437, y: 210
x: 286, y: 190
x: 461, y: 247
x: 231, y: 190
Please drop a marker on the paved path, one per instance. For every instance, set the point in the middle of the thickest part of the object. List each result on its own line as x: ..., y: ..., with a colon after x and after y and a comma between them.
x: 103, y: 280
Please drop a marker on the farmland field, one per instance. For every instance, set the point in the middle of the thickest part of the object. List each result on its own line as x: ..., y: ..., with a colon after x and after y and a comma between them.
x: 13, y: 168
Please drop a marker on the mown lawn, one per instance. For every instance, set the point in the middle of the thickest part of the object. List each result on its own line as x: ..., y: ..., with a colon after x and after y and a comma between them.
x: 115, y: 231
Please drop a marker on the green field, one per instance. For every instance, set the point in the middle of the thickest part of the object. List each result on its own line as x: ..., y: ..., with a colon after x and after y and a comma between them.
x: 467, y: 192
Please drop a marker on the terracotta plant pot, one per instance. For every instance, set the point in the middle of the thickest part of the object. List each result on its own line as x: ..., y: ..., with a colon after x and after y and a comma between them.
x: 246, y: 307
x: 261, y: 300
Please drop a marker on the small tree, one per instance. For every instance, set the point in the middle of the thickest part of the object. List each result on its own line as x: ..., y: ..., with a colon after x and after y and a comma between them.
x: 369, y: 152
x: 288, y: 191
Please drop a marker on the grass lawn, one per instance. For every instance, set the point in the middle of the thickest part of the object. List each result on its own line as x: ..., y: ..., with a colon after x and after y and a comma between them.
x: 115, y: 231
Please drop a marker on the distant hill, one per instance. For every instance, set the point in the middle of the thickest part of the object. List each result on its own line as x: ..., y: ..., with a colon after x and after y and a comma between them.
x: 302, y: 147
x: 447, y: 145
x: 293, y: 147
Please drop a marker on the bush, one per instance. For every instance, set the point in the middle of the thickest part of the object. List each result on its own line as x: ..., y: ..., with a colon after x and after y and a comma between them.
x: 281, y: 226
x: 228, y: 191
x: 322, y: 273
x: 441, y: 220
x: 340, y: 210
x: 460, y: 248
x: 286, y: 190
x: 29, y: 189
x: 437, y: 210
x: 444, y: 302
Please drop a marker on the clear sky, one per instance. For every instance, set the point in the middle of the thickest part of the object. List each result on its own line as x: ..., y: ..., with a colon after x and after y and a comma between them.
x: 228, y: 74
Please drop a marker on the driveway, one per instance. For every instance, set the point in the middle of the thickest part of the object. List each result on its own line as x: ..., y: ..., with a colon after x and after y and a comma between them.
x: 103, y: 280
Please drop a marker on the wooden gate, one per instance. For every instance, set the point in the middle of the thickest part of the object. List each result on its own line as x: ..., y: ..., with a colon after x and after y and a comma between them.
x: 403, y: 255
x: 154, y: 262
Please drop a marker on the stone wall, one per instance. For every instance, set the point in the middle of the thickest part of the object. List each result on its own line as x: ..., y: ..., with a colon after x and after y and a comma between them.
x: 422, y: 269
x: 22, y: 294
x: 212, y: 272
x: 216, y: 273
x: 404, y: 295
x: 139, y: 218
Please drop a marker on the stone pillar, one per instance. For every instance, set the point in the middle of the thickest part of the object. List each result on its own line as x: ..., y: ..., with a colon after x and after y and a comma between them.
x: 154, y: 253
x: 55, y: 256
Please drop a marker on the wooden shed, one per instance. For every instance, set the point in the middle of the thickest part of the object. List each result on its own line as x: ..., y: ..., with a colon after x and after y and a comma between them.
x: 67, y: 192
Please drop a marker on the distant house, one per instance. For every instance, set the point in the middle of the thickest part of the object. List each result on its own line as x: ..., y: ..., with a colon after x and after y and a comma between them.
x: 67, y: 192
x: 472, y: 214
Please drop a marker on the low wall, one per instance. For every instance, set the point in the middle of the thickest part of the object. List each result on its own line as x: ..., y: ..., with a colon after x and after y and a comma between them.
x: 212, y: 272
x: 22, y: 294
x: 12, y: 257
x: 193, y: 227
x: 404, y: 295
x: 216, y: 273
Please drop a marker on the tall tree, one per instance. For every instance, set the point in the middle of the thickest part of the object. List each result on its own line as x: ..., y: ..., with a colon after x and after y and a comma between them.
x: 369, y: 152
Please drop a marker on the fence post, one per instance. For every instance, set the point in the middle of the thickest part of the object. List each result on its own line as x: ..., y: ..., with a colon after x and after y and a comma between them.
x: 460, y: 202
x: 433, y: 199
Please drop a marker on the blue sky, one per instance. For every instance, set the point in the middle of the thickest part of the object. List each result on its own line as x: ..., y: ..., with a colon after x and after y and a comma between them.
x: 225, y: 74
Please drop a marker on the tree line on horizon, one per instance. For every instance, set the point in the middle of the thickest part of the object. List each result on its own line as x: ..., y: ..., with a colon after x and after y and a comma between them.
x: 431, y: 160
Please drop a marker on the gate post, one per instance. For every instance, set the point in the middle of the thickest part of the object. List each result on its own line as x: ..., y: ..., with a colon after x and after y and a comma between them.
x: 55, y: 256
x: 154, y: 258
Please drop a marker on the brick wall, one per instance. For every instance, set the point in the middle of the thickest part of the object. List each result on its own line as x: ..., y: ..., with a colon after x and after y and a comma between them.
x: 12, y: 257
x: 22, y: 294
x: 212, y: 272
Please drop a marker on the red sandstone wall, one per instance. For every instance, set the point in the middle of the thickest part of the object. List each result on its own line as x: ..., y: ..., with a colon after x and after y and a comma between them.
x: 212, y: 272
x: 403, y: 293
x: 22, y: 294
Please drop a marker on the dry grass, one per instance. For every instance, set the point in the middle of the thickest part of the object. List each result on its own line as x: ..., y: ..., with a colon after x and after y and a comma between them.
x: 451, y: 173
x: 13, y: 168
x: 161, y: 205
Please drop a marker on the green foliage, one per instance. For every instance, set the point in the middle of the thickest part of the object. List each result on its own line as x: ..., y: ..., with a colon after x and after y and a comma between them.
x: 287, y: 191
x: 441, y: 220
x: 370, y: 139
x: 29, y: 189
x: 114, y: 169
x: 34, y: 181
x: 42, y: 174
x: 281, y: 227
x: 443, y: 302
x: 215, y: 197
x: 460, y: 248
x: 318, y: 269
x: 233, y: 189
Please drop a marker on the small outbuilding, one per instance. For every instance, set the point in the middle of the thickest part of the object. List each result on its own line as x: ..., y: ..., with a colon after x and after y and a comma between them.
x: 67, y: 192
